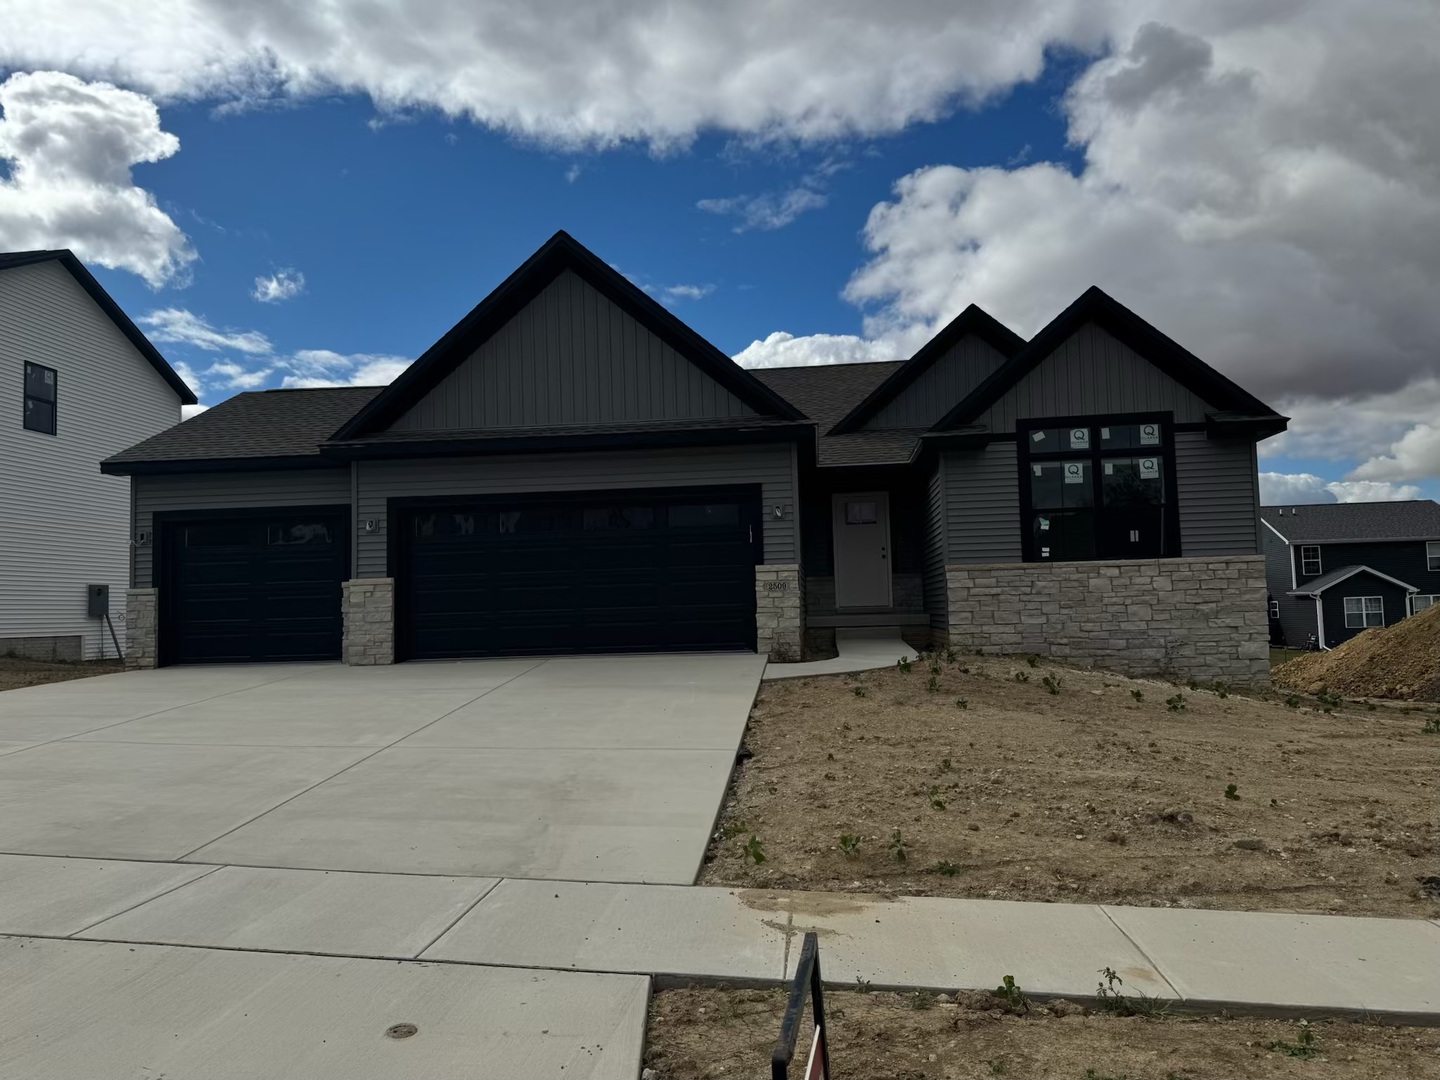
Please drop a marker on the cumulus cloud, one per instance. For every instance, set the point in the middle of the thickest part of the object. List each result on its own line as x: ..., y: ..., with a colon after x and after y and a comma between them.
x: 182, y: 327
x: 782, y: 349
x: 1299, y: 489
x: 69, y: 146
x: 235, y: 377
x: 322, y: 367
x: 281, y: 285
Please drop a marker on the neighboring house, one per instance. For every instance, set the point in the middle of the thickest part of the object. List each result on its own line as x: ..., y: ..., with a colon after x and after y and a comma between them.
x: 81, y: 383
x: 571, y: 468
x: 1334, y: 569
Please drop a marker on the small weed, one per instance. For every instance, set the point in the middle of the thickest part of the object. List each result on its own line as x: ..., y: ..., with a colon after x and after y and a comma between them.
x: 1232, y: 792
x: 1176, y: 703
x: 946, y: 868
x: 1369, y: 706
x: 733, y: 829
x: 1051, y: 684
x: 921, y: 1001
x: 1305, y: 1046
x: 753, y: 850
x: 1222, y: 689
x: 863, y: 985
x: 1329, y: 700
x: 997, y: 1067
x: 1431, y: 726
x: 849, y: 844
x: 860, y: 691
x: 1022, y: 676
x: 936, y: 803
x: 1193, y: 685
x: 951, y: 656
x: 1113, y: 1000
x: 935, y: 666
x: 932, y: 684
x: 962, y: 703
x: 1033, y: 661
x: 1091, y: 1074
x: 898, y: 847
x: 1293, y: 701
x: 830, y: 756
x: 1137, y: 695
x: 1010, y: 993
x: 946, y: 764
x: 904, y: 664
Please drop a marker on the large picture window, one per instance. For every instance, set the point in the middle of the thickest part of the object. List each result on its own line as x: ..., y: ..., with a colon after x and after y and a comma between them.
x: 1097, y: 488
x: 39, y: 399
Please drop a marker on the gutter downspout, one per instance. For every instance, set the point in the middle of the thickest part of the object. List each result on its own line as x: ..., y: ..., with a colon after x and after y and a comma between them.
x: 1320, y: 623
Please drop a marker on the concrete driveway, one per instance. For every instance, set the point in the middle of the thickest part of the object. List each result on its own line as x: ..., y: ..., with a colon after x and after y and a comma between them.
x: 586, y: 769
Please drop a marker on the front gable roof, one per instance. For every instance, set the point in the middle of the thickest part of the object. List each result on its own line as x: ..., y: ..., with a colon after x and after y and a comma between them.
x: 973, y: 320
x: 560, y: 253
x: 1327, y: 523
x: 1095, y: 306
x: 1345, y: 573
x: 67, y: 258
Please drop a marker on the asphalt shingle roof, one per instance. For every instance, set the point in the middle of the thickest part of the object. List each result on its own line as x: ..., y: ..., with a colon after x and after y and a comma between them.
x: 260, y: 424
x: 1324, y: 581
x: 1418, y: 519
x: 826, y: 393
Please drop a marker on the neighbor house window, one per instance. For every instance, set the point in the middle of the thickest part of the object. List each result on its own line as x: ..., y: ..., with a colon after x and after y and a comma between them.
x: 1310, y: 560
x: 1097, y: 488
x: 1420, y: 602
x: 40, y: 399
x: 1362, y: 611
x: 1432, y: 555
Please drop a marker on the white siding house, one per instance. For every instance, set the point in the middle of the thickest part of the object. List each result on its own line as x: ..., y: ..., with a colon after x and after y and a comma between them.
x: 64, y: 525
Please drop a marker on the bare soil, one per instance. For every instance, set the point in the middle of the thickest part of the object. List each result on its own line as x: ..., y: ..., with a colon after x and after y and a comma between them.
x: 1397, y: 661
x: 1099, y: 792
x: 697, y: 1033
x: 15, y: 673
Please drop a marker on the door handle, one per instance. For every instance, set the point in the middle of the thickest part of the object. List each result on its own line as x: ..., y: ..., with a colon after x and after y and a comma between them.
x: 882, y: 551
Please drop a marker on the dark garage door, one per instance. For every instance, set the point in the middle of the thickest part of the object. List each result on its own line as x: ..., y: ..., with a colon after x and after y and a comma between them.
x: 597, y: 573
x: 258, y: 587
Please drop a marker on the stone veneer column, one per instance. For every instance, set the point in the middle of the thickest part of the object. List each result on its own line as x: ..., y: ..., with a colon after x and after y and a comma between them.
x: 142, y: 641
x: 779, y: 610
x: 1197, y: 618
x: 369, y: 608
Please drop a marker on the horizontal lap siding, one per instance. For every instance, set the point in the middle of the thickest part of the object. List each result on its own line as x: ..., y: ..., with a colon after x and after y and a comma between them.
x: 982, y: 494
x: 65, y: 525
x: 570, y: 356
x: 770, y: 466
x: 941, y: 386
x: 228, y: 491
x: 1217, y: 486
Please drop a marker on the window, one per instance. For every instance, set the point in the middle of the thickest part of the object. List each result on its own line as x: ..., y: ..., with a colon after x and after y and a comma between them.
x: 1274, y: 609
x: 39, y: 399
x: 297, y: 532
x: 861, y: 513
x: 1310, y: 560
x: 706, y: 515
x: 1419, y: 602
x: 1432, y: 555
x: 1362, y: 611
x: 1097, y: 490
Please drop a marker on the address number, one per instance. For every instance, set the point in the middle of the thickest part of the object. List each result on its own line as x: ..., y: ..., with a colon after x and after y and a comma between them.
x: 777, y: 586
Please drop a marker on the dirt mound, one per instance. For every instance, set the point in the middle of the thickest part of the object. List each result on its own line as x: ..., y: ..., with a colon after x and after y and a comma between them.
x: 1398, y: 661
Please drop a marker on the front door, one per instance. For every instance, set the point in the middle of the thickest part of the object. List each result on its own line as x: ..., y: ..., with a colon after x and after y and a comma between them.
x: 862, y: 550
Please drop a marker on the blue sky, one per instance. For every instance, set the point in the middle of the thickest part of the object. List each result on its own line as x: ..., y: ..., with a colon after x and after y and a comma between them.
x: 801, y: 186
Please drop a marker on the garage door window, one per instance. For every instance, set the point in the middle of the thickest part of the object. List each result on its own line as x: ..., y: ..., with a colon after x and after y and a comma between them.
x: 298, y: 532
x: 619, y: 518
x: 704, y: 515
x: 218, y: 535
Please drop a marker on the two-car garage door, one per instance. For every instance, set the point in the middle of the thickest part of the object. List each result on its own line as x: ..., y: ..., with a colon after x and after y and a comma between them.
x: 609, y: 572
x: 612, y: 572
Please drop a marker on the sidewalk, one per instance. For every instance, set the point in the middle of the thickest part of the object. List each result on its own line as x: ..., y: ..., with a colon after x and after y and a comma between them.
x: 1263, y: 963
x: 858, y: 649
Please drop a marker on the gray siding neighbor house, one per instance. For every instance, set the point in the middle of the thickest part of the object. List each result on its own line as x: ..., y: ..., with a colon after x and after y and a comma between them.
x: 1335, y: 569
x: 571, y: 468
x: 81, y: 383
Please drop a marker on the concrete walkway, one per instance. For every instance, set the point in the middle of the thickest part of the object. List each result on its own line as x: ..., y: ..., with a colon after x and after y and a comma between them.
x: 1300, y: 965
x: 859, y: 650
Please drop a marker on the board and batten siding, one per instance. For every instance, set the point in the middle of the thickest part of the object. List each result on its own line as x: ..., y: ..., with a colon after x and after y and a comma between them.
x: 772, y: 466
x: 1093, y: 374
x: 1218, y: 491
x: 982, y: 505
x: 937, y: 597
x: 940, y: 387
x: 65, y: 525
x: 570, y: 356
x: 228, y: 491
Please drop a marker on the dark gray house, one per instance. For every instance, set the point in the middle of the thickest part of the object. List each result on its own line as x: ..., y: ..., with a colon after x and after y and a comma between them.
x: 571, y: 468
x: 1335, y: 569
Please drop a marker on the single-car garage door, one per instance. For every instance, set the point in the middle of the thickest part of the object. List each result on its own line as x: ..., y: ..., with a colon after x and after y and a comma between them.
x: 626, y: 572
x: 259, y: 586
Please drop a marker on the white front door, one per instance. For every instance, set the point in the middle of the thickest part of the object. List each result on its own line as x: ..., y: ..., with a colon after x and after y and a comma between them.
x: 862, y: 550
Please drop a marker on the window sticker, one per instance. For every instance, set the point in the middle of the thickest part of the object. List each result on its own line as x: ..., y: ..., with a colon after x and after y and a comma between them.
x: 1149, y: 468
x: 1039, y: 470
x: 1149, y: 434
x: 1044, y: 524
x: 1080, y: 438
x: 1044, y: 553
x: 1109, y: 468
x: 1037, y: 436
x: 1104, y: 433
x: 1074, y: 472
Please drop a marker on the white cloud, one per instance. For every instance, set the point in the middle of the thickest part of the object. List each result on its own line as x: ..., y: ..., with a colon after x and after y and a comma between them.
x: 572, y: 173
x: 235, y: 377
x: 281, y: 285
x: 672, y: 293
x: 189, y: 412
x: 1414, y: 456
x: 321, y: 367
x: 781, y: 349
x: 766, y: 212
x: 184, y: 327
x: 69, y: 146
x: 1299, y: 489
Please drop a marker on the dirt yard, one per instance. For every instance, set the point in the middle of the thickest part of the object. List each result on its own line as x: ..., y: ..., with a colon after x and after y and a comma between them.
x: 15, y: 673
x: 696, y: 1033
x: 988, y: 777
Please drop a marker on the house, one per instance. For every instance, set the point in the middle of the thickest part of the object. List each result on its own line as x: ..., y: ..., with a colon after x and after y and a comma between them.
x: 1334, y: 569
x: 571, y: 468
x: 81, y: 383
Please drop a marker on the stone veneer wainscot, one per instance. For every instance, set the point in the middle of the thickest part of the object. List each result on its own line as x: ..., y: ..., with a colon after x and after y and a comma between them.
x: 369, y: 609
x: 779, y: 610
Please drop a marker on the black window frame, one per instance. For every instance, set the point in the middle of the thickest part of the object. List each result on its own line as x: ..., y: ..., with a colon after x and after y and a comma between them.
x: 1170, y: 545
x: 26, y: 397
x: 1319, y: 562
